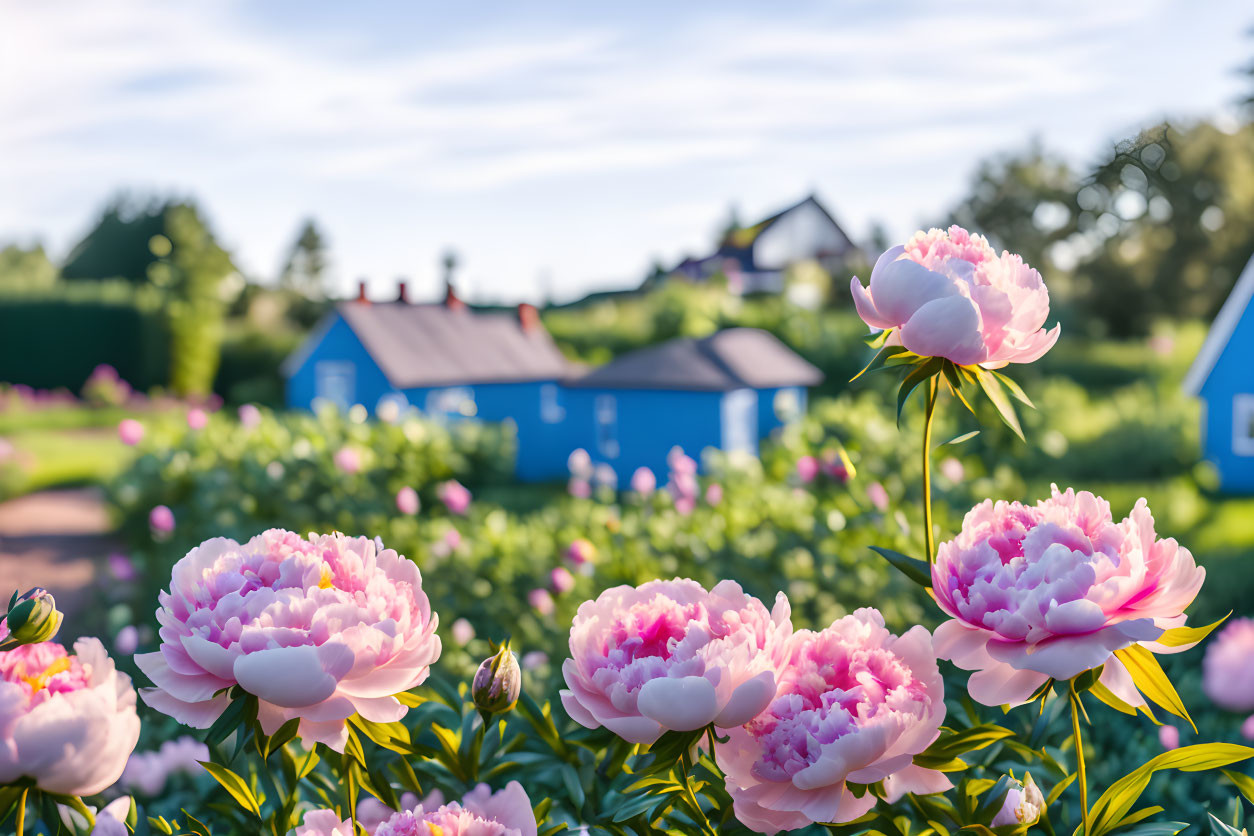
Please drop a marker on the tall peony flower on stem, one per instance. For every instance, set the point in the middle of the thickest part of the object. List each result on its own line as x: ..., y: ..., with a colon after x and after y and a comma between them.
x: 480, y: 813
x: 67, y: 722
x: 946, y: 293
x: 670, y: 656
x: 317, y: 629
x: 854, y: 705
x: 1055, y: 589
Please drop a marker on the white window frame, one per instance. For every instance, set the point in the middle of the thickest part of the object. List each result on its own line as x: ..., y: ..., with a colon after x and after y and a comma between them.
x: 551, y: 409
x: 344, y: 371
x: 452, y: 402
x: 738, y: 413
x: 1243, y: 425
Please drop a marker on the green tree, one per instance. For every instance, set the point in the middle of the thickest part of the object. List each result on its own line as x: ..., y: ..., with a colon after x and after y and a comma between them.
x: 117, y: 246
x: 305, y: 270
x: 26, y: 267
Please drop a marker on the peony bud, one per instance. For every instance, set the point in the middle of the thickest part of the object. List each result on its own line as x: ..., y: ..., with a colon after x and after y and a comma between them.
x: 1023, y: 805
x: 32, y: 618
x: 497, y: 683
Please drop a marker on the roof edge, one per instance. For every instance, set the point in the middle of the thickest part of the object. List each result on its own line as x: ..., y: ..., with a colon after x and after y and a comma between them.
x: 297, y: 359
x: 1221, y: 330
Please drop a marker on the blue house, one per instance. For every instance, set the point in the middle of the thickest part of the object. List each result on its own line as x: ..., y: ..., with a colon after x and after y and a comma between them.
x: 1223, y: 377
x: 727, y: 390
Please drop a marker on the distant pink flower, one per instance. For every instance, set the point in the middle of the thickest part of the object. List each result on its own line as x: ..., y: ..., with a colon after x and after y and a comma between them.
x: 643, y: 481
x: 407, y: 501
x: 249, y: 415
x: 807, y: 469
x: 68, y: 722
x: 1169, y: 737
x: 579, y: 464
x: 130, y: 431
x: 126, y: 642
x: 605, y: 476
x: 685, y: 505
x: 668, y: 655
x: 534, y: 659
x: 455, y: 496
x: 854, y: 703
x: 946, y: 293
x: 452, y: 539
x: 122, y: 567
x: 148, y: 772
x: 1228, y: 667
x: 541, y: 601
x: 1247, y: 728
x: 561, y: 580
x: 316, y: 629
x: 463, y: 632
x: 480, y: 813
x: 197, y: 418
x: 952, y: 469
x: 680, y: 462
x: 161, y: 521
x: 579, y: 488
x: 713, y: 493
x: 878, y: 495
x: 1052, y: 590
x: 348, y: 460
x: 581, y: 551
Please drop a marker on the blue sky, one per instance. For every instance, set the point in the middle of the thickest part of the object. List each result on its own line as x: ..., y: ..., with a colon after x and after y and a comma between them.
x: 561, y: 147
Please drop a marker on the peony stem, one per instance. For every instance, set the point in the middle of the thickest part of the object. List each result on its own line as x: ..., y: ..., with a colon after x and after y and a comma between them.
x: 21, y: 812
x: 1079, y: 758
x: 933, y: 391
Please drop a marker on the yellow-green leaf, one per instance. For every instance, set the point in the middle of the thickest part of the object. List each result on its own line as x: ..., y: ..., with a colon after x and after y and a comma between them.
x: 1108, y: 696
x: 1244, y: 783
x: 1182, y: 636
x: 235, y: 785
x: 1150, y: 680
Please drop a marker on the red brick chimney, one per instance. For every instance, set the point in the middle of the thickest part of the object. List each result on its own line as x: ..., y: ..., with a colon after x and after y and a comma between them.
x: 402, y: 294
x: 528, y: 317
x: 451, y: 299
x: 361, y: 292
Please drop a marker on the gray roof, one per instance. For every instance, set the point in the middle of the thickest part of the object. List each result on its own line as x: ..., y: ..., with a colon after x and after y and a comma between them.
x: 435, y: 345
x: 736, y: 358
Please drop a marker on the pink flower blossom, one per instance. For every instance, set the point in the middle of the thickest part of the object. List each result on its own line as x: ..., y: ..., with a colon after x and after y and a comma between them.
x: 807, y: 469
x: 878, y: 495
x: 1228, y: 667
x: 1247, y: 728
x: 126, y: 642
x: 480, y: 813
x: 643, y: 481
x: 952, y: 469
x: 111, y: 821
x: 1169, y: 737
x: 854, y: 704
x: 541, y: 601
x: 713, y: 494
x: 452, y: 539
x: 579, y: 464
x: 561, y: 580
x: 407, y: 501
x: 463, y: 632
x: 148, y: 772
x: 685, y: 505
x: 581, y: 551
x: 161, y: 521
x: 680, y: 462
x: 122, y: 567
x: 347, y: 459
x: 455, y: 496
x: 1053, y: 590
x: 197, y: 418
x: 605, y: 476
x: 1023, y: 805
x: 948, y: 294
x: 68, y: 722
x: 249, y: 415
x: 534, y: 659
x: 130, y: 431
x: 579, y: 488
x: 316, y: 629
x: 668, y: 655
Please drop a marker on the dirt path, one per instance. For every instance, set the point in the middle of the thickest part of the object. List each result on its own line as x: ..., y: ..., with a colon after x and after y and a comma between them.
x: 57, y: 539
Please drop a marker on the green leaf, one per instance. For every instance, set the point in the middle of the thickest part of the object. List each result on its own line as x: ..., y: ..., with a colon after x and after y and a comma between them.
x: 393, y: 736
x: 881, y: 357
x: 285, y: 735
x: 227, y: 722
x: 992, y: 388
x: 913, y: 568
x: 1219, y: 828
x: 235, y: 785
x: 873, y: 341
x: 160, y: 825
x: 1245, y: 784
x: 1156, y: 828
x: 1111, y: 699
x: 1182, y: 636
x: 195, y: 825
x: 1150, y: 680
x: 1084, y: 681
x: 921, y: 372
x: 1018, y: 393
x: 958, y: 439
x: 352, y: 747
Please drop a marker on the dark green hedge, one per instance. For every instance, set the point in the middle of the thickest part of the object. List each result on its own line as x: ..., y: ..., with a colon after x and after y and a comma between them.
x: 49, y: 341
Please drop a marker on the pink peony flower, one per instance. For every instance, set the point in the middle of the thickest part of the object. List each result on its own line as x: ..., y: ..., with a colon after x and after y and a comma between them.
x: 130, y: 431
x: 1053, y: 590
x: 561, y: 580
x: 579, y: 464
x: 685, y: 505
x: 1247, y: 728
x: 122, y: 567
x: 148, y: 772
x: 541, y: 601
x: 161, y: 521
x: 713, y: 494
x: 1228, y: 667
x: 126, y: 642
x: 1024, y: 803
x: 807, y: 469
x: 878, y: 495
x: 854, y: 704
x: 68, y: 722
x: 1169, y: 737
x: 581, y: 551
x: 668, y: 655
x: 605, y: 476
x: 407, y: 501
x: 948, y: 294
x: 643, y: 481
x: 579, y: 488
x: 480, y: 813
x: 316, y: 629
x: 249, y: 415
x: 680, y: 462
x: 534, y: 659
x: 952, y: 470
x: 463, y: 632
x: 348, y: 460
x: 455, y: 496
x: 197, y: 418
x: 111, y: 821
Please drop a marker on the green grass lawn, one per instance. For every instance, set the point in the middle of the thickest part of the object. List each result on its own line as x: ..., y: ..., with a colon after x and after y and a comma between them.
x: 57, y: 457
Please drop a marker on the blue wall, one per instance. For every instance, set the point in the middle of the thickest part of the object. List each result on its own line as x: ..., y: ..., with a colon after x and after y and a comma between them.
x: 339, y: 344
x: 769, y: 419
x: 1232, y: 375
